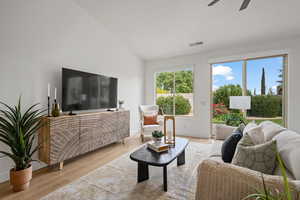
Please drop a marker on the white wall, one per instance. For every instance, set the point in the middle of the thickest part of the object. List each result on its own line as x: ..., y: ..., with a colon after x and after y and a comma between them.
x: 199, y: 124
x: 38, y: 37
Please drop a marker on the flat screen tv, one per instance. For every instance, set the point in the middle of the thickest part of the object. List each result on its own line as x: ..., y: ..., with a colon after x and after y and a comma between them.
x: 86, y: 91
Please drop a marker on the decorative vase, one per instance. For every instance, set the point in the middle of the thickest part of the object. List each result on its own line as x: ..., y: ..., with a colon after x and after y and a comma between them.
x: 55, y: 110
x: 20, y: 180
x: 157, y: 141
x: 121, y: 102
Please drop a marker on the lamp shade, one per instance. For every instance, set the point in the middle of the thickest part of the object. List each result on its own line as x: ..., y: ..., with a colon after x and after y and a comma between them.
x: 240, y: 102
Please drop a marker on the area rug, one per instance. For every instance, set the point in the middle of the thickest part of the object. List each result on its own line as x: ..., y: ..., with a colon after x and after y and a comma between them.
x: 118, y: 180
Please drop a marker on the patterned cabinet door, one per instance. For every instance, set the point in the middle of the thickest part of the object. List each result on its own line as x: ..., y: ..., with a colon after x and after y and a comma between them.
x: 90, y: 125
x: 64, y: 138
x: 123, y: 125
x: 109, y: 127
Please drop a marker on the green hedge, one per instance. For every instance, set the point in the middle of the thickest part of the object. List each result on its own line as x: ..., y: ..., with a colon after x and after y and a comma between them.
x: 266, y: 106
x: 182, y: 105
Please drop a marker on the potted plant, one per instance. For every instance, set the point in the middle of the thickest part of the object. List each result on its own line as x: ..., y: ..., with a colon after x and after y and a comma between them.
x: 157, y: 136
x: 18, y: 130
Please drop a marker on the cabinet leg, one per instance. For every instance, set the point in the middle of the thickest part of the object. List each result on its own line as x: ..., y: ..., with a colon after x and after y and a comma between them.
x: 61, y: 165
x: 123, y: 141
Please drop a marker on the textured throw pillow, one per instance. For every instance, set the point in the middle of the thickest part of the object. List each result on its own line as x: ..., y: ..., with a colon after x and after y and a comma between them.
x: 150, y: 120
x: 257, y: 135
x: 270, y: 129
x: 229, y: 145
x: 260, y: 157
x: 288, y: 146
x: 246, y: 141
x: 248, y: 127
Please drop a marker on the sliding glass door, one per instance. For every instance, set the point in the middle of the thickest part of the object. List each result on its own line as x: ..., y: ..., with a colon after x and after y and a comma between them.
x: 263, y: 79
x: 227, y: 81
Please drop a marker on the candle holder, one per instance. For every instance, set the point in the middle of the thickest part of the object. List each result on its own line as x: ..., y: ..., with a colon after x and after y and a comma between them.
x: 48, y: 106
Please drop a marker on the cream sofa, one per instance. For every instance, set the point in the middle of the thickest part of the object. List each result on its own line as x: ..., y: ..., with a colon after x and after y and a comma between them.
x: 224, y: 181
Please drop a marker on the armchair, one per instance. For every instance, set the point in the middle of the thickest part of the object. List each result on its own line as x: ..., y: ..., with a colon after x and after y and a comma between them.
x: 146, y: 110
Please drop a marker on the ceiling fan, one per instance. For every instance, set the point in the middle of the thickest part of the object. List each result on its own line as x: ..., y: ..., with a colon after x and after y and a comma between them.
x: 244, y: 4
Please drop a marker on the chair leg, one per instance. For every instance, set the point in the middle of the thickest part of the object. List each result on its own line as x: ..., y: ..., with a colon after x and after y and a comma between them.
x: 142, y: 138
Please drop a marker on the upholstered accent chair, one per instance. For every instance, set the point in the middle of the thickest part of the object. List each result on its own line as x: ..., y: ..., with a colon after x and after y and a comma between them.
x: 149, y: 110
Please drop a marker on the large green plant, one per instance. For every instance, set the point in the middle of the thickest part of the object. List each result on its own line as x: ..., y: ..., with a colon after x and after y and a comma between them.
x: 18, y: 130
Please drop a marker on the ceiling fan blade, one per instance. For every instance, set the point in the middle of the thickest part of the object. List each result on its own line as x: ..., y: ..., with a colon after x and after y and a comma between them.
x: 245, y: 4
x: 213, y: 2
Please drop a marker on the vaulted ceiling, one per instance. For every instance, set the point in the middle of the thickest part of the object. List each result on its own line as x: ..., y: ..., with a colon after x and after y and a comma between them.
x: 164, y: 28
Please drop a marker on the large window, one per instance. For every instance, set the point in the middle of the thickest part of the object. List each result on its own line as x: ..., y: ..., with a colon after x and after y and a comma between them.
x: 174, y: 92
x: 262, y: 79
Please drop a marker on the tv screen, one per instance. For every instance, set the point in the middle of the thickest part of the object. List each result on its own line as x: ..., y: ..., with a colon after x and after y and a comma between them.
x: 85, y: 91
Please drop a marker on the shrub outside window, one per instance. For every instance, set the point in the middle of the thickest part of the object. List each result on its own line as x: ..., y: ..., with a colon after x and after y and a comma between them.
x: 174, y: 92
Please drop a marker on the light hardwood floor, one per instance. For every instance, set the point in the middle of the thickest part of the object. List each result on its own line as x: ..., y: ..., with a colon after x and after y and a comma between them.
x: 47, y: 180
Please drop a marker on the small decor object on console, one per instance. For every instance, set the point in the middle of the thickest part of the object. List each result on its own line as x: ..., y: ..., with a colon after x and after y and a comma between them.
x: 55, y: 107
x: 121, y: 102
x: 48, y: 99
x: 157, y: 136
x: 55, y: 110
x: 169, y: 138
x: 158, y: 147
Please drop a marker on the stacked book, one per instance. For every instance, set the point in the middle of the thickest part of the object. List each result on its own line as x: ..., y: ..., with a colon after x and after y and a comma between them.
x: 158, y: 147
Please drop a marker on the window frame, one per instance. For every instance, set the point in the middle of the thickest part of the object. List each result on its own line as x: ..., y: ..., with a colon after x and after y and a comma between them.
x: 174, y: 70
x: 244, y: 82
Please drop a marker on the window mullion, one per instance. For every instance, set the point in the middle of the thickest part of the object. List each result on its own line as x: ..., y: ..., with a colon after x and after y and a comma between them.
x: 174, y: 91
x: 244, y: 78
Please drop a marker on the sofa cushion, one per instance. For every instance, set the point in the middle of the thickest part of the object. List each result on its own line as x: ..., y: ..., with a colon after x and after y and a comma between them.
x: 260, y: 157
x: 288, y: 146
x: 270, y: 129
x: 229, y: 145
x: 222, y: 131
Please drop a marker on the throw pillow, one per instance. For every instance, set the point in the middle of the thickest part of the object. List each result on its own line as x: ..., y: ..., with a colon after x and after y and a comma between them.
x: 271, y: 129
x: 246, y: 141
x: 260, y: 157
x: 229, y: 145
x: 150, y: 120
x: 248, y: 127
x: 256, y: 134
x: 288, y: 143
